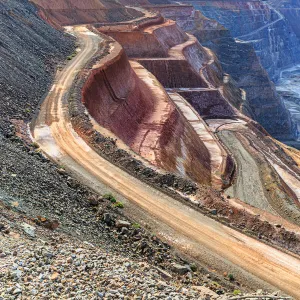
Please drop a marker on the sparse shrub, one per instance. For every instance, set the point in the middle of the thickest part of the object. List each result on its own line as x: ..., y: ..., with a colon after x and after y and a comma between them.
x: 35, y: 145
x: 110, y: 197
x: 136, y: 225
x: 72, y: 55
x: 231, y: 277
x: 193, y: 267
x: 216, y: 284
x: 119, y: 205
x: 236, y: 292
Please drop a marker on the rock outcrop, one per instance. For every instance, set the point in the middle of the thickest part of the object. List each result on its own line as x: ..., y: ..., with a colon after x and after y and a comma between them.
x: 199, y: 74
x: 240, y: 61
x: 126, y: 99
x: 70, y: 12
x: 261, y: 25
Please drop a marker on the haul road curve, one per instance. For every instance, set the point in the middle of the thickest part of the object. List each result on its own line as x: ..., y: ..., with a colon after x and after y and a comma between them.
x: 56, y: 137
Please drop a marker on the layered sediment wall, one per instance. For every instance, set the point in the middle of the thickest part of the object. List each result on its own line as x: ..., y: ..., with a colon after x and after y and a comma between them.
x: 72, y: 12
x: 154, y: 41
x: 168, y: 53
x: 184, y: 66
x: 240, y: 61
x: 260, y: 24
x: 126, y: 99
x: 209, y: 104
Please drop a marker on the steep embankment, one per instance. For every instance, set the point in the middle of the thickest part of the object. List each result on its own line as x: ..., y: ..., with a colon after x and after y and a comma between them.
x: 241, y: 62
x: 30, y: 50
x: 127, y: 100
x: 69, y: 12
x: 290, y: 9
x: 198, y: 69
x: 30, y: 185
x: 261, y: 25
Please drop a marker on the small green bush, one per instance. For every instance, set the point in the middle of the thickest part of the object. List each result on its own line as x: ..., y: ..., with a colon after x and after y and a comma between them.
x: 236, y: 292
x: 35, y: 145
x: 119, y: 205
x: 110, y: 197
x: 231, y: 277
x: 136, y: 225
x: 193, y: 267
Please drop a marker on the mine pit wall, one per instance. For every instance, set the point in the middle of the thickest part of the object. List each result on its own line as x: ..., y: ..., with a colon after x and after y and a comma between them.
x: 195, y: 55
x: 182, y: 14
x: 135, y: 25
x: 139, y: 44
x: 148, y: 44
x: 173, y: 73
x: 121, y: 102
x: 114, y: 97
x: 169, y: 34
x: 73, y: 12
x: 183, y: 151
x: 210, y: 104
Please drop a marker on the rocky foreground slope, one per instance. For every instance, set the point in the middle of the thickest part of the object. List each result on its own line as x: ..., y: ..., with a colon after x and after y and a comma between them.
x: 35, y: 193
x: 34, y: 186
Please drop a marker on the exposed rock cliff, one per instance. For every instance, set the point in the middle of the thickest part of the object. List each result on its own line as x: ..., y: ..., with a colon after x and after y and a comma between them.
x: 291, y: 11
x: 125, y: 98
x: 241, y: 62
x: 259, y: 24
x: 71, y: 12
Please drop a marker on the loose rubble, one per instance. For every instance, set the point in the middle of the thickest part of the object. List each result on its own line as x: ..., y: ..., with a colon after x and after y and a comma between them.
x: 55, y: 265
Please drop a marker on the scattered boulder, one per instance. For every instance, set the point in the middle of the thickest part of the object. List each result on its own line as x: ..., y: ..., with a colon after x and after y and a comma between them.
x: 164, y: 274
x: 214, y: 212
x: 180, y: 269
x: 93, y: 201
x: 51, y: 224
x: 121, y: 223
x: 28, y: 229
x: 108, y: 219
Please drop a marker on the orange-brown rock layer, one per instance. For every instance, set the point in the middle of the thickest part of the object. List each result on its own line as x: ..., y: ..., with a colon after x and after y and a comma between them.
x: 140, y: 113
x: 72, y: 12
x: 153, y: 41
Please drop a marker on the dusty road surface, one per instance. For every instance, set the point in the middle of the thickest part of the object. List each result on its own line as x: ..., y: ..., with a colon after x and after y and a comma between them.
x: 54, y: 134
x: 248, y: 186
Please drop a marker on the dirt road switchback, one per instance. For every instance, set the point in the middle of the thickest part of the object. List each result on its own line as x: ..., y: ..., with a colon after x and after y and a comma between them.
x: 56, y: 137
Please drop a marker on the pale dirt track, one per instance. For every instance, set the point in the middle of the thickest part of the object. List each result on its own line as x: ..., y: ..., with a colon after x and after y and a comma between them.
x: 54, y: 133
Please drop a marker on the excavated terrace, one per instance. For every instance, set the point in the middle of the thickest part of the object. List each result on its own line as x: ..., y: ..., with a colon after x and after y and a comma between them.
x: 129, y: 101
x: 174, y: 49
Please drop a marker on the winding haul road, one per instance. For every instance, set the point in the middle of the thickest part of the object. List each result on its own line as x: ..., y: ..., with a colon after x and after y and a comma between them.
x: 53, y: 132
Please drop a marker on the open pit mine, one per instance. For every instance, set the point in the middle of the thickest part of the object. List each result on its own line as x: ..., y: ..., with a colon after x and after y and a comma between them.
x: 157, y: 140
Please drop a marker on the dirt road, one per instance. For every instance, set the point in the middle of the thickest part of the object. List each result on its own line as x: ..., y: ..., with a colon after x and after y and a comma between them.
x: 54, y: 133
x: 248, y: 186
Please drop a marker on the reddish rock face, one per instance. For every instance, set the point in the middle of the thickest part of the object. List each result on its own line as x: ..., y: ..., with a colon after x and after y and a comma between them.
x: 71, y: 12
x: 209, y: 104
x: 152, y: 41
x: 140, y: 113
x: 166, y: 51
x: 174, y: 73
x: 134, y: 2
x: 117, y: 99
